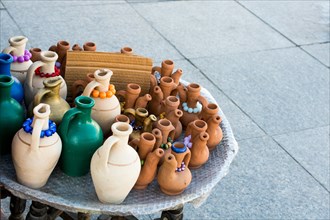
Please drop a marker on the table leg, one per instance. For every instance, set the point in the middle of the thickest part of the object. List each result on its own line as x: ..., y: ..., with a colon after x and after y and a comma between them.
x: 84, y: 216
x: 176, y: 214
x: 17, y: 207
x: 38, y: 211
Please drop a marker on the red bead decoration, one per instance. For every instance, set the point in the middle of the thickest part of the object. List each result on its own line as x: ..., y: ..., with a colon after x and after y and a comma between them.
x: 47, y: 75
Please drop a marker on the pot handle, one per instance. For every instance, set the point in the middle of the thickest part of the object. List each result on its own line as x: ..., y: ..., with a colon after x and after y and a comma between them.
x: 187, y: 157
x: 90, y: 87
x: 37, y: 127
x: 40, y: 94
x: 30, y: 72
x: 9, y: 49
x: 105, y: 149
x: 76, y: 85
x: 64, y: 126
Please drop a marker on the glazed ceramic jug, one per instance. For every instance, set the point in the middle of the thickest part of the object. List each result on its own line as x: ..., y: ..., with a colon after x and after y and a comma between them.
x: 149, y: 169
x: 199, y: 150
x: 21, y: 57
x: 50, y: 95
x: 81, y: 137
x: 115, y: 166
x: 36, y: 149
x: 16, y: 91
x: 38, y: 72
x: 106, y: 106
x: 11, y: 114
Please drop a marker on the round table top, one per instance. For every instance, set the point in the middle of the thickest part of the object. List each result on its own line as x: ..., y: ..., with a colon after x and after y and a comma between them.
x: 77, y: 194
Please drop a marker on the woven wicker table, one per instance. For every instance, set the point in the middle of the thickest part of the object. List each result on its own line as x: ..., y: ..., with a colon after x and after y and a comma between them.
x: 76, y: 195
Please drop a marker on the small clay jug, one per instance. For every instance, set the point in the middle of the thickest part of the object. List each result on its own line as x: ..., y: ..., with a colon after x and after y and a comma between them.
x: 170, y: 103
x: 182, y: 154
x: 115, y: 166
x: 199, y: 150
x: 61, y: 48
x: 126, y: 51
x: 36, y: 149
x: 144, y: 145
x: 174, y: 117
x: 167, y: 129
x: 76, y: 47
x: 166, y: 68
x: 89, y: 46
x: 79, y: 85
x: 130, y: 95
x: 215, y: 132
x: 35, y: 54
x: 38, y: 72
x: 16, y: 90
x: 208, y: 111
x: 159, y: 137
x: 21, y: 57
x: 106, y: 106
x: 142, y: 102
x: 176, y: 76
x: 195, y: 128
x: 167, y: 85
x: 11, y: 114
x: 149, y: 169
x: 170, y: 179
x: 50, y: 95
x: 122, y: 118
x: 155, y: 106
x: 81, y: 137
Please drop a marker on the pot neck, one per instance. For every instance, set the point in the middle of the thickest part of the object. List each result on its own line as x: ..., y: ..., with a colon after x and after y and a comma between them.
x: 5, y: 61
x: 6, y: 83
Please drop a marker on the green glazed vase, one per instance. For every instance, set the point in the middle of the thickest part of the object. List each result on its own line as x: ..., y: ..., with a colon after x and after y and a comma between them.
x: 81, y: 137
x: 11, y: 115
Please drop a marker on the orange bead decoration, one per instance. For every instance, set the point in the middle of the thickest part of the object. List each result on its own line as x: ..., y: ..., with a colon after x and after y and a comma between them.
x: 103, y: 95
x: 109, y: 94
x: 95, y: 93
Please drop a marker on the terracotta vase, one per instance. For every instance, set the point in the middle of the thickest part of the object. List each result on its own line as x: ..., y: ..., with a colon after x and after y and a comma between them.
x: 106, y: 106
x: 174, y: 117
x: 155, y: 106
x: 182, y: 154
x: 81, y: 137
x: 16, y: 90
x: 199, y: 150
x: 166, y: 68
x: 35, y: 54
x: 176, y: 76
x: 76, y: 47
x: 142, y: 102
x: 159, y: 137
x: 21, y: 57
x: 115, y: 166
x: 170, y: 103
x: 149, y: 169
x: 130, y: 95
x: 122, y: 118
x: 167, y: 85
x: 61, y: 48
x: 215, y: 132
x: 89, y: 46
x: 144, y: 145
x: 50, y: 95
x: 195, y: 128
x: 126, y: 51
x: 38, y: 72
x: 208, y: 111
x: 11, y: 114
x: 171, y: 181
x: 191, y: 103
x: 167, y: 129
x: 79, y: 85
x: 36, y: 149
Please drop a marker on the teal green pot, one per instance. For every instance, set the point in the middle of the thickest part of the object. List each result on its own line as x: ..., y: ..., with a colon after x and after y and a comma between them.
x: 11, y: 114
x: 81, y: 137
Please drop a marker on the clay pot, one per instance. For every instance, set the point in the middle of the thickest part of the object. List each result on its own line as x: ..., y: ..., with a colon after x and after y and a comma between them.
x: 61, y: 48
x: 167, y: 129
x: 126, y: 51
x: 159, y: 137
x: 155, y: 106
x: 166, y: 68
x: 22, y: 57
x: 199, y: 150
x: 208, y: 111
x: 144, y: 145
x: 174, y: 117
x: 115, y: 166
x: 182, y: 153
x: 130, y: 95
x: 171, y: 103
x: 172, y: 182
x: 167, y: 85
x: 35, y: 54
x: 215, y: 132
x: 89, y: 46
x: 142, y: 101
x: 76, y: 47
x: 149, y: 169
x: 34, y: 82
x: 122, y: 118
x: 50, y: 95
x: 106, y: 106
x: 35, y: 155
x: 176, y: 76
x: 195, y: 128
x: 79, y: 85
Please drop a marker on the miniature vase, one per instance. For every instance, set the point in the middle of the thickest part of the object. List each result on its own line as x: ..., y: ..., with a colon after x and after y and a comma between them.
x: 81, y: 137
x: 89, y: 46
x: 149, y: 169
x: 21, y: 57
x: 35, y: 52
x: 170, y: 179
x: 144, y: 145
x: 126, y: 50
x: 142, y: 102
x: 166, y: 68
x: 16, y: 91
x: 155, y: 106
x: 195, y: 128
x: 11, y: 114
x: 172, y: 113
x: 167, y: 85
x: 208, y: 111
x: 130, y: 95
x: 115, y: 166
x: 215, y: 132
x: 167, y: 130
x: 106, y: 106
x: 38, y: 72
x: 60, y: 48
x: 36, y: 148
x: 50, y: 95
x: 199, y: 150
x: 79, y: 85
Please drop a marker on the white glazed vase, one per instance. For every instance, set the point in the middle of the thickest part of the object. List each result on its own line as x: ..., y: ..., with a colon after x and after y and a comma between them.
x: 35, y: 157
x: 115, y: 166
x: 33, y: 83
x: 105, y: 109
x: 17, y: 48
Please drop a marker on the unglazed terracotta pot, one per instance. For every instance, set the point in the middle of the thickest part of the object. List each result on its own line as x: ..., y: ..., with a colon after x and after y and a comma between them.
x: 143, y: 101
x: 115, y: 166
x: 61, y: 48
x: 35, y: 54
x: 199, y: 150
x: 167, y: 129
x: 130, y: 95
x: 208, y: 111
x: 171, y: 181
x: 21, y: 56
x: 149, y: 169
x: 166, y: 68
x: 195, y: 128
x: 11, y: 114
x: 36, y: 149
x: 174, y: 117
x: 167, y: 85
x: 214, y: 130
x: 155, y: 106
x: 144, y: 145
x: 50, y: 95
x: 89, y: 46
x: 79, y: 85
x: 38, y: 72
x: 81, y: 137
x: 126, y: 50
x: 106, y: 106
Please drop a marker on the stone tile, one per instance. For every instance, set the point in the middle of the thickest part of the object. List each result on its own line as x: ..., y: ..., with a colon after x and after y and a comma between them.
x: 303, y: 22
x: 218, y: 27
x: 264, y: 183
x: 320, y: 52
x: 311, y: 149
x: 110, y: 26
x: 281, y: 90
x: 1, y: 6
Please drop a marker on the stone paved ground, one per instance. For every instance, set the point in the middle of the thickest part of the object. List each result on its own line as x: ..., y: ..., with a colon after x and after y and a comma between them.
x: 266, y: 63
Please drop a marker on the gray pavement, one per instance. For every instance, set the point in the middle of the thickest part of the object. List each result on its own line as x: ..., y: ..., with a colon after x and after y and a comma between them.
x: 265, y: 62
